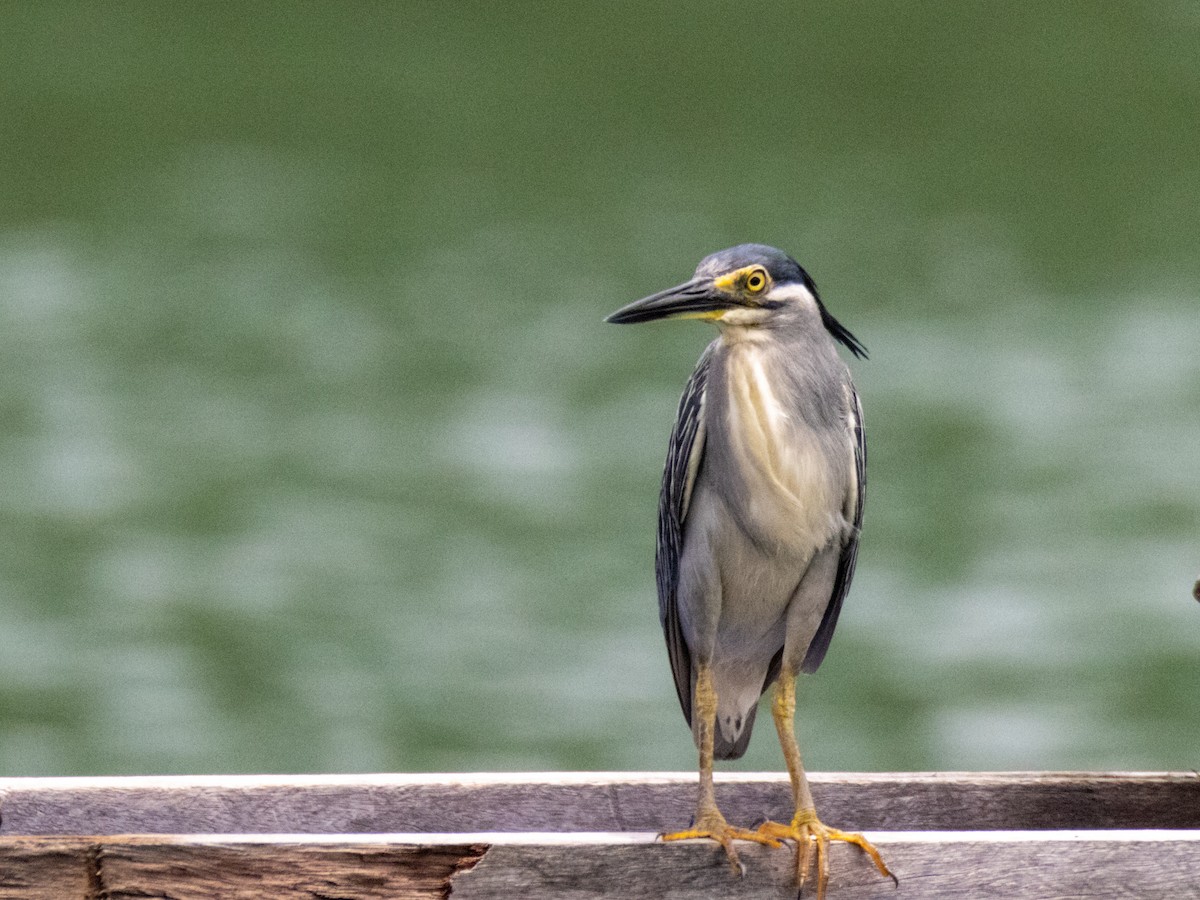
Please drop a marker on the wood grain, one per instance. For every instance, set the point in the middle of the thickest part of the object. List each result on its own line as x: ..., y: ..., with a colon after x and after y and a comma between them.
x: 247, y: 871
x: 970, y: 866
x: 588, y: 835
x: 184, y: 869
x: 46, y: 869
x: 930, y: 866
x: 570, y: 802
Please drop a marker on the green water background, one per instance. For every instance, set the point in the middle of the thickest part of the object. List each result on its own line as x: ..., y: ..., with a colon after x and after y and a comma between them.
x: 317, y: 456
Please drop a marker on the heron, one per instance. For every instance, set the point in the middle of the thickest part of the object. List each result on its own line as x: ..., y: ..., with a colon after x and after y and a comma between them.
x: 759, y: 518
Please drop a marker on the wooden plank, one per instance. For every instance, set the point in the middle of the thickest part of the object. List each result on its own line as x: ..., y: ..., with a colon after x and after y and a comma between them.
x: 245, y: 871
x: 569, y: 802
x: 930, y: 866
x: 186, y: 869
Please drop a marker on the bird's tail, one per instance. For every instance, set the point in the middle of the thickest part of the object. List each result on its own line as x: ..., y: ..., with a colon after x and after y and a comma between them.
x: 726, y: 749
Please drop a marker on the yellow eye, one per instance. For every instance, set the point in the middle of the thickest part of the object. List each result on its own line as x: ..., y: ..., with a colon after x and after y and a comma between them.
x: 756, y: 281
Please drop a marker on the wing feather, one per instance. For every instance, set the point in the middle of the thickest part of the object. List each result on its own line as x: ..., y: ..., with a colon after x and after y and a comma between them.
x: 685, y: 455
x: 845, y: 571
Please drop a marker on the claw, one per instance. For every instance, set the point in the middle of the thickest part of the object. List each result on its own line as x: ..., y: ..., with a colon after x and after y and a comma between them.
x: 810, y: 834
x: 712, y: 826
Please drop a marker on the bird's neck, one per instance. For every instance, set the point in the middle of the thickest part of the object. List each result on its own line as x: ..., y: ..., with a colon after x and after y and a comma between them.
x: 734, y: 331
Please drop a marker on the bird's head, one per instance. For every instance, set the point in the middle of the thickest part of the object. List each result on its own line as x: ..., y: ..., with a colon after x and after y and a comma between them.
x: 748, y: 286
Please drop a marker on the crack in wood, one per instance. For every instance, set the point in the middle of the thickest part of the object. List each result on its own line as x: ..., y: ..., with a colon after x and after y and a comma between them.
x: 466, y: 862
x: 95, y: 873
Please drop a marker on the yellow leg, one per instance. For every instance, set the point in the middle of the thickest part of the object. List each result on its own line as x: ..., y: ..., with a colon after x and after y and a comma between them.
x: 709, y: 822
x: 806, y: 829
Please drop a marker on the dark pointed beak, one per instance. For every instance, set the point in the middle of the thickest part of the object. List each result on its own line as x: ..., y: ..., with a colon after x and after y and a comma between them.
x: 695, y: 299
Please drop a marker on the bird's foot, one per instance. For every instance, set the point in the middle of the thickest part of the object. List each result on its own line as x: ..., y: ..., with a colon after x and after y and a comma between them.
x: 811, y: 835
x: 712, y: 825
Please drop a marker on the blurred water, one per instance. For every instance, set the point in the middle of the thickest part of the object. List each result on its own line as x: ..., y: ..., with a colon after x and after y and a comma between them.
x: 318, y: 457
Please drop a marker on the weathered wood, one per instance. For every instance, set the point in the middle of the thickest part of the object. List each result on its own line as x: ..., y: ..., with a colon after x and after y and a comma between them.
x: 247, y: 871
x: 46, y: 869
x: 930, y: 866
x: 587, y: 835
x: 587, y: 802
x: 238, y: 869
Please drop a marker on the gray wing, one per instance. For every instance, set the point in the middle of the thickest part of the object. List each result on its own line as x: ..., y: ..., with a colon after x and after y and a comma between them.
x: 845, y: 570
x: 685, y: 454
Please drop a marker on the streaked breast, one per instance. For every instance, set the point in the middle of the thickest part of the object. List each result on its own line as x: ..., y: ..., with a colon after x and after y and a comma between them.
x: 791, y: 494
